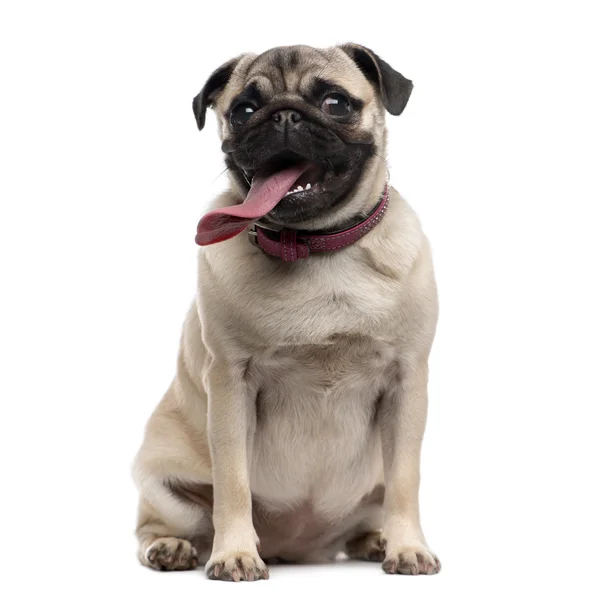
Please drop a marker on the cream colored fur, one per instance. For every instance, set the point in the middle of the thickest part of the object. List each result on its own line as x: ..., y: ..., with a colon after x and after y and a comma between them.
x: 298, y: 384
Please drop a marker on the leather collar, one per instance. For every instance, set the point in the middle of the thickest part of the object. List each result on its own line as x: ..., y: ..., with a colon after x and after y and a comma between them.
x: 291, y: 245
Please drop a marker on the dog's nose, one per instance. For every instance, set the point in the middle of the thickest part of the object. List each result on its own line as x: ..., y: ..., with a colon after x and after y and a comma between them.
x: 286, y: 116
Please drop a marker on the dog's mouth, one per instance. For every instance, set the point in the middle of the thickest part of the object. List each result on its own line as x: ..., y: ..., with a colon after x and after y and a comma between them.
x: 284, y: 189
x: 317, y: 178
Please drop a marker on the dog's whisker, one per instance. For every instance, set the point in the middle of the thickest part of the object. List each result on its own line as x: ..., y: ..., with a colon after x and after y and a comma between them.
x: 219, y: 175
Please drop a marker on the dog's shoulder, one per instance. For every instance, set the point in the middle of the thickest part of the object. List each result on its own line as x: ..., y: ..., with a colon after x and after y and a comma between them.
x: 398, y: 243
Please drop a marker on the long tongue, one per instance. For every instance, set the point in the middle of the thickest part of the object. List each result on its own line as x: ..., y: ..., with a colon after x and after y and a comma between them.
x: 266, y: 192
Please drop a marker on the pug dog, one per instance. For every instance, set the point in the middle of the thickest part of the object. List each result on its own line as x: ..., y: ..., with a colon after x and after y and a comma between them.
x: 292, y: 430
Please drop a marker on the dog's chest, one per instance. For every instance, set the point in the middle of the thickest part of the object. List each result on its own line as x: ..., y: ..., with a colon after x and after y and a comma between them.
x: 321, y: 300
x: 316, y: 435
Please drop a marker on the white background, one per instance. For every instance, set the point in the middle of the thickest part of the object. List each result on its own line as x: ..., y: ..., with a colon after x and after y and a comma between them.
x: 104, y: 177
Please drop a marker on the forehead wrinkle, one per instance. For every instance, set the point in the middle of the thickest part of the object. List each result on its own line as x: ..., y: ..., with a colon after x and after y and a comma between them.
x: 291, y: 56
x: 293, y: 69
x: 273, y: 76
x: 342, y: 79
x: 262, y: 83
x: 285, y: 65
x: 339, y: 69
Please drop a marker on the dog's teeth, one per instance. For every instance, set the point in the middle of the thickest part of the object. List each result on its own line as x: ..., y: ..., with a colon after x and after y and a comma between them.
x: 300, y: 188
x: 308, y: 186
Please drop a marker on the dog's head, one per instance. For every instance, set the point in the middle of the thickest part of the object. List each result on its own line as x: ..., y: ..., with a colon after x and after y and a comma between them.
x: 298, y: 105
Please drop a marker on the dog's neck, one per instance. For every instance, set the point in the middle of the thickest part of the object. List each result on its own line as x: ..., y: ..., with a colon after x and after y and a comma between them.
x: 291, y: 245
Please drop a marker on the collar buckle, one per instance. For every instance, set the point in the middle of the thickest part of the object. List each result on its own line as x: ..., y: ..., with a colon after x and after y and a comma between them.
x: 252, y: 233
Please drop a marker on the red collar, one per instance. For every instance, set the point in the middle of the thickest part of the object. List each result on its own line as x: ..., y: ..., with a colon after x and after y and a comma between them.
x: 291, y: 245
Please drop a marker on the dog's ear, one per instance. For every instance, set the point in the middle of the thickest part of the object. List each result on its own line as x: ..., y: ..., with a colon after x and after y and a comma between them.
x: 393, y: 87
x: 212, y: 88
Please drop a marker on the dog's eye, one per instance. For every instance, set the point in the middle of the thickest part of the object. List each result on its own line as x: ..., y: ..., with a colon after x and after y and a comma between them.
x: 336, y: 105
x: 242, y: 113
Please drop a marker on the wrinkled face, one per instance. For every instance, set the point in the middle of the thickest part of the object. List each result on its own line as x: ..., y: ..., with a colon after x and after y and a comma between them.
x: 322, y: 109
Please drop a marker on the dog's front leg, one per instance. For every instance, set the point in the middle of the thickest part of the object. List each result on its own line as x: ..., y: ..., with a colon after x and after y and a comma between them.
x: 402, y: 415
x: 231, y: 423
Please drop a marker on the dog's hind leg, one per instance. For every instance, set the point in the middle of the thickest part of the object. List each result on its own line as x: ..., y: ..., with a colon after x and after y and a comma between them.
x: 173, y: 474
x: 364, y: 541
x: 174, y: 533
x: 368, y: 546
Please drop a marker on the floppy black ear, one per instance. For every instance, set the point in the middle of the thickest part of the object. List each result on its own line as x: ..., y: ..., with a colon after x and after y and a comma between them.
x: 394, y: 88
x: 214, y: 85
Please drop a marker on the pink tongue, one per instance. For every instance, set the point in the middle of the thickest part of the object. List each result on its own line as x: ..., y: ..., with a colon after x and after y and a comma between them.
x: 266, y: 192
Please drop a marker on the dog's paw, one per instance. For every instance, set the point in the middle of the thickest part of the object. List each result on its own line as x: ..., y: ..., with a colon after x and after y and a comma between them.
x: 236, y: 566
x: 171, y: 554
x: 369, y: 546
x: 411, y: 560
